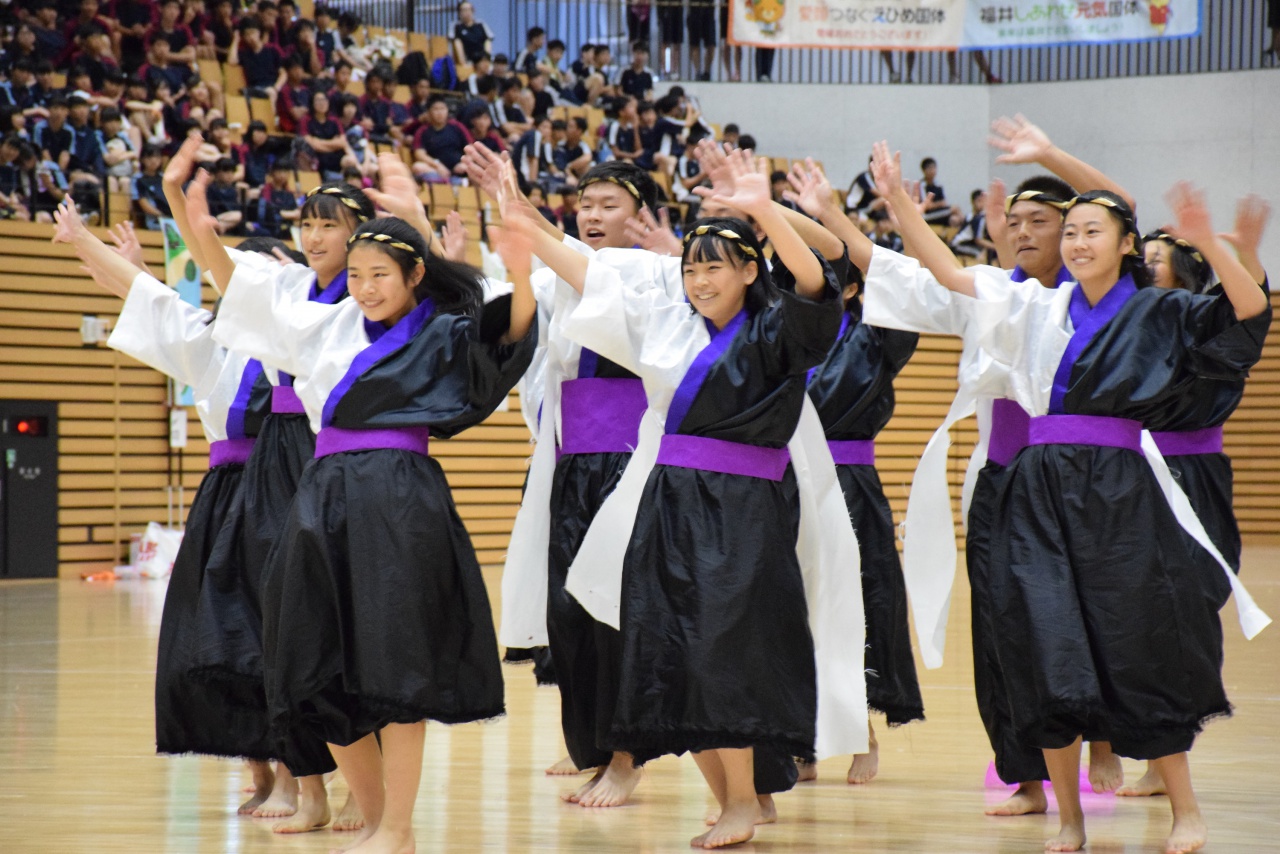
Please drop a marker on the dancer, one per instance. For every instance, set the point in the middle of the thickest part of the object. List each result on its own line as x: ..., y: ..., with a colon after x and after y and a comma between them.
x: 411, y: 637
x: 1073, y: 497
x: 725, y: 372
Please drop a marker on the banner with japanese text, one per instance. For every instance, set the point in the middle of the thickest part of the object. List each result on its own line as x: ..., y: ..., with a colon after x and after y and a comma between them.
x: 951, y: 24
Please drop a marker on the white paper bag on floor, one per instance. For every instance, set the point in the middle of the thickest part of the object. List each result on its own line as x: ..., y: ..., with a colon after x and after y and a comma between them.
x: 158, y: 549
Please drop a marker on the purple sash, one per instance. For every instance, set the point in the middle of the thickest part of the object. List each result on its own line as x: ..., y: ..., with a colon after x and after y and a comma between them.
x: 240, y: 405
x: 718, y: 455
x: 284, y: 400
x: 1087, y: 322
x: 697, y: 373
x: 1009, y: 423
x: 853, y: 452
x: 384, y: 342
x: 600, y: 416
x: 1100, y: 430
x: 229, y: 451
x: 844, y: 327
x: 336, y: 440
x: 1189, y: 443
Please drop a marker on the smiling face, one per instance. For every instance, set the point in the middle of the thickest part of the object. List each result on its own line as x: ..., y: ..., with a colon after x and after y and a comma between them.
x: 603, y: 211
x: 716, y: 280
x: 324, y: 241
x: 1035, y: 230
x: 1093, y: 245
x: 378, y: 285
x: 1159, y: 258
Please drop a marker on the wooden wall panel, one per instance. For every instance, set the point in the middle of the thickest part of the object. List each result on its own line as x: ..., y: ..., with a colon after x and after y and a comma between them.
x: 114, y: 429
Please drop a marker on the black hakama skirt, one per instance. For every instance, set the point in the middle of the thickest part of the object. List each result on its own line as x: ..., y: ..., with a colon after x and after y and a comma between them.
x: 191, y: 715
x: 1016, y: 761
x: 716, y: 649
x: 375, y: 611
x: 892, y: 686
x: 1104, y: 629
x: 586, y: 653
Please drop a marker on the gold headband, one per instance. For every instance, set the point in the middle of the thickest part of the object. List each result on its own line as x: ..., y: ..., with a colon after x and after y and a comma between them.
x: 388, y: 240
x: 716, y: 231
x: 626, y: 185
x: 1176, y: 241
x: 1033, y: 196
x: 1130, y: 226
x: 349, y: 202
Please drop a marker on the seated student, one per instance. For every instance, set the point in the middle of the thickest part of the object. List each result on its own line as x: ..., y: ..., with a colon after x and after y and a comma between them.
x: 623, y: 133
x: 672, y: 131
x: 262, y: 62
x: 439, y: 143
x: 649, y: 137
x: 480, y: 129
x: 557, y: 79
x: 415, y: 109
x: 862, y: 196
x: 53, y: 138
x: 326, y: 141
x: 538, y: 198
x: 539, y: 96
x: 573, y: 156
x: 778, y: 186
x: 276, y: 208
x: 939, y: 211
x: 533, y: 153
x: 50, y: 39
x: 590, y: 81
x: 17, y: 178
x: 637, y: 79
x: 508, y: 118
x: 45, y: 89
x: 294, y: 98
x: 182, y: 42
x: 217, y: 145
x: 379, y: 115
x: 340, y: 82
x: 161, y: 68
x: 19, y: 90
x: 567, y: 214
x: 119, y: 158
x: 85, y: 162
x: 502, y: 68
x: 307, y: 48
x: 95, y: 54
x: 257, y: 155
x: 481, y: 70
x: 224, y: 198
x: 690, y: 174
x: 148, y: 189
x: 221, y: 29
x: 729, y: 136
x: 884, y: 234
x: 527, y: 60
x: 972, y: 240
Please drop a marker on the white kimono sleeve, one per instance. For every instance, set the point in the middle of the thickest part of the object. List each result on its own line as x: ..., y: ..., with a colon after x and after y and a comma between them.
x: 901, y: 294
x: 160, y: 330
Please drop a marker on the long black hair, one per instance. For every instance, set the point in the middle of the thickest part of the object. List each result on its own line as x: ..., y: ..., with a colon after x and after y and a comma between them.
x: 454, y: 288
x: 338, y: 201
x: 1190, y: 271
x: 1133, y: 264
x: 722, y: 238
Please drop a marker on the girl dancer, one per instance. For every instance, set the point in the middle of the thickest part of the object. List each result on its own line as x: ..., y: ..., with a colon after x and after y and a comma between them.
x: 1096, y: 361
x: 375, y: 613
x: 717, y: 655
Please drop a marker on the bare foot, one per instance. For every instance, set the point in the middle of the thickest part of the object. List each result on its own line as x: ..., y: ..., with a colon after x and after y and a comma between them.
x: 349, y: 817
x: 312, y: 814
x: 865, y: 765
x: 1150, y: 783
x: 1027, y: 800
x: 768, y: 812
x: 808, y: 772
x: 1105, y: 771
x: 563, y: 768
x: 263, y: 780
x: 1070, y: 838
x: 616, y: 786
x: 361, y: 838
x: 576, y: 795
x: 385, y: 842
x: 283, y: 801
x: 1189, y: 834
x: 737, y: 824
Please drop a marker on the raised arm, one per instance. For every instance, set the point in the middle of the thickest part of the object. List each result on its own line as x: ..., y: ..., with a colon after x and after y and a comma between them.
x: 925, y: 244
x: 176, y: 174
x: 109, y: 268
x: 1023, y: 142
x: 203, y: 232
x: 998, y: 224
x: 1193, y: 225
x: 398, y: 196
x: 1252, y: 213
x: 516, y: 248
x: 485, y: 170
x: 811, y: 190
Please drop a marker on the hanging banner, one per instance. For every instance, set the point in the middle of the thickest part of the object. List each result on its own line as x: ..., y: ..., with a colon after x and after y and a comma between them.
x: 181, y: 274
x: 956, y: 24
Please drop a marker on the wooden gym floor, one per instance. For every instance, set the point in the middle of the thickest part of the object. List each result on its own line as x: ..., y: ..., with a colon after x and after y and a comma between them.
x: 78, y: 772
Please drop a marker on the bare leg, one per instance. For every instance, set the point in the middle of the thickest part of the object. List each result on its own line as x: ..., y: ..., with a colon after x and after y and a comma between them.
x: 313, y: 807
x: 263, y: 779
x: 712, y: 768
x: 1029, y: 799
x: 741, y: 808
x: 617, y: 784
x: 402, y: 764
x: 564, y: 767
x: 865, y: 765
x: 361, y: 766
x: 808, y: 772
x: 1064, y: 772
x: 1105, y: 771
x: 349, y: 817
x: 284, y: 796
x: 1189, y: 832
x: 1148, y: 784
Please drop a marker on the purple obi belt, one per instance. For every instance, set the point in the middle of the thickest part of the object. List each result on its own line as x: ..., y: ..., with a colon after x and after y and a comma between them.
x: 1100, y: 430
x: 600, y: 416
x: 705, y: 454
x: 853, y: 452
x: 284, y: 401
x: 1189, y: 443
x: 1009, y: 424
x: 226, y: 452
x: 337, y: 440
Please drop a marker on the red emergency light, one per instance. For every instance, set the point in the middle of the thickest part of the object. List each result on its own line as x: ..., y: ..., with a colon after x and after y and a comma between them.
x: 31, y: 427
